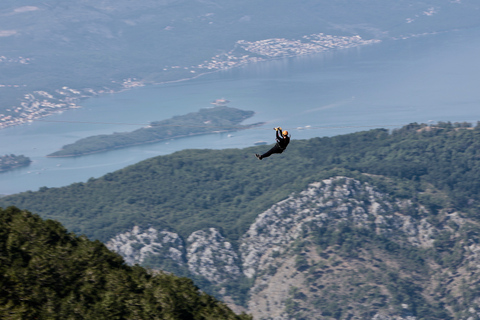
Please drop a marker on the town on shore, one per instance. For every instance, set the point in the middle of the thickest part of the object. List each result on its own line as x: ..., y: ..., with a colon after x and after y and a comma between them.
x: 39, y: 104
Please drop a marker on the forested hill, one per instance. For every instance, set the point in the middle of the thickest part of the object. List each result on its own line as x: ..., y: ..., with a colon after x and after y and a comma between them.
x: 210, y: 120
x: 48, y: 273
x: 226, y: 189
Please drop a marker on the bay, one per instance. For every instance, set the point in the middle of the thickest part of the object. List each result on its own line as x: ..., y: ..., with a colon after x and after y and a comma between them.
x: 423, y: 79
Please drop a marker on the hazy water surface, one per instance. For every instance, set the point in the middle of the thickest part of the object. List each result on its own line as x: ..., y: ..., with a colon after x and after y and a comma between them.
x: 431, y: 78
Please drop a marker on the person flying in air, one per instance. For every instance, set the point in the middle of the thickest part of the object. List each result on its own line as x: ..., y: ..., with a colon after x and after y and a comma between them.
x: 282, y: 142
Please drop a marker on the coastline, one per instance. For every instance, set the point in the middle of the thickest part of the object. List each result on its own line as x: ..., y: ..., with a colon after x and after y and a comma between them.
x: 319, y: 43
x: 271, y: 49
x: 74, y: 105
x: 47, y: 172
x: 135, y: 144
x: 14, y: 167
x: 220, y: 119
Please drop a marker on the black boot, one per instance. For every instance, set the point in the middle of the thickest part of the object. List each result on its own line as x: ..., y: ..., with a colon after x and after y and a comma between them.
x: 258, y: 156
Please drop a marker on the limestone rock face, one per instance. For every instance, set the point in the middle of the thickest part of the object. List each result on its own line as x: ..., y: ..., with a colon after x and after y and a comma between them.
x: 206, y: 252
x: 137, y: 244
x: 209, y: 255
x: 291, y: 276
x: 328, y: 203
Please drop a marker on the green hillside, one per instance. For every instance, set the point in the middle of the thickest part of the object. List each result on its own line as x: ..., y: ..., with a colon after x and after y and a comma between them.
x: 227, y: 189
x: 398, y: 239
x: 48, y: 273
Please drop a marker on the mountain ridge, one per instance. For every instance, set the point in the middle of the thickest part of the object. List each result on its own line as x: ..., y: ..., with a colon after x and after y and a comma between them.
x: 337, y: 225
x: 369, y: 225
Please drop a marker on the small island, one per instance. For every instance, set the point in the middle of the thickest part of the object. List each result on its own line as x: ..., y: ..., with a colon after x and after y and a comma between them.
x: 211, y: 120
x: 10, y: 162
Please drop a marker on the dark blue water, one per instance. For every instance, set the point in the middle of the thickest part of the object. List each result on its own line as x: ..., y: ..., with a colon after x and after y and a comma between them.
x: 431, y: 78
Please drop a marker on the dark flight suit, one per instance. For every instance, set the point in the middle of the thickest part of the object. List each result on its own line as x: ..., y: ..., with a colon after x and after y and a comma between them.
x: 280, y: 146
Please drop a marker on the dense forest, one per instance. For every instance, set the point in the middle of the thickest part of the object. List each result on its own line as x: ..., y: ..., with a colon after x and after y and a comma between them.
x: 217, y: 119
x: 49, y: 273
x: 227, y: 189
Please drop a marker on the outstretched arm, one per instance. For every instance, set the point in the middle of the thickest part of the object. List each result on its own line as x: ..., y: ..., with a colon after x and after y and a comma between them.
x: 278, y: 132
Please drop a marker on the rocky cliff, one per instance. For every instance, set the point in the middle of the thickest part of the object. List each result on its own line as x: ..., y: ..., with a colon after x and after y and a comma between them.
x: 339, y: 249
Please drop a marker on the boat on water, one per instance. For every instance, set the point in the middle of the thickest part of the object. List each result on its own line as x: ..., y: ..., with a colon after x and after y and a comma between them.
x: 220, y: 102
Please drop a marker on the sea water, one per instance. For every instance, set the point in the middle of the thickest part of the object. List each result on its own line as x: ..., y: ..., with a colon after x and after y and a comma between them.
x: 422, y: 79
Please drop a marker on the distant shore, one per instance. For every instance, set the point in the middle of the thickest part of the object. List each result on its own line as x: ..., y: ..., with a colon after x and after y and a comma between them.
x: 38, y: 105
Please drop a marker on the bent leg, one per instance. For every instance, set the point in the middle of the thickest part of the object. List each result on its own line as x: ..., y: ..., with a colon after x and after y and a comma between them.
x: 275, y: 149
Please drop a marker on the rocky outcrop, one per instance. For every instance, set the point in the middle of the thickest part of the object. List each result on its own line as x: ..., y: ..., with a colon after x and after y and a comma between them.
x: 211, y: 256
x: 136, y: 245
x: 286, y: 279
x: 206, y: 252
x: 325, y: 203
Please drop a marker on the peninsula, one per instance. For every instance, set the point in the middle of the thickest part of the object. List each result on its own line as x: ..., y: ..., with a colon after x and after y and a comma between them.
x: 211, y: 120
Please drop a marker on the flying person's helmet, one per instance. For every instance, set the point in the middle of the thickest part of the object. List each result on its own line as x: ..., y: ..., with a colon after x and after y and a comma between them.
x: 285, y: 133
